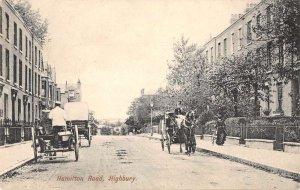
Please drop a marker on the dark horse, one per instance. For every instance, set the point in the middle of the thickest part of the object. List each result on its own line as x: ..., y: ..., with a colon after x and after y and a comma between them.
x: 187, y: 129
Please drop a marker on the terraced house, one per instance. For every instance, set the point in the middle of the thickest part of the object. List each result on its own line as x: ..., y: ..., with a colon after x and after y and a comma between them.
x: 27, y: 82
x: 240, y: 36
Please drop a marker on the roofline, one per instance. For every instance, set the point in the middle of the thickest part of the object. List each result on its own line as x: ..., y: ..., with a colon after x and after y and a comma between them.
x: 231, y: 25
x: 23, y: 22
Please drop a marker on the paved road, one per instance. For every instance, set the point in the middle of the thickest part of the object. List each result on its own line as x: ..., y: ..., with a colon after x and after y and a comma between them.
x: 142, y: 165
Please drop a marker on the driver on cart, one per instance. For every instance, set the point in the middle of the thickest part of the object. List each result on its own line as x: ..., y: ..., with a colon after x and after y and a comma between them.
x: 58, y: 117
x: 179, y: 115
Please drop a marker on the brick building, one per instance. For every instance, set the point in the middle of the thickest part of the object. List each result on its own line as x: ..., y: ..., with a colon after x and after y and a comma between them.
x: 70, y: 92
x: 239, y: 36
x: 23, y: 70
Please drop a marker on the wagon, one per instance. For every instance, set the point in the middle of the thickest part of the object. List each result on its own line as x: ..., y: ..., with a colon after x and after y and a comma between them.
x: 78, y: 114
x: 47, y: 143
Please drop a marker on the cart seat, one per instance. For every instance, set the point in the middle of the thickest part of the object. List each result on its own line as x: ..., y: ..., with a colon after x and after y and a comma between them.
x: 64, y: 133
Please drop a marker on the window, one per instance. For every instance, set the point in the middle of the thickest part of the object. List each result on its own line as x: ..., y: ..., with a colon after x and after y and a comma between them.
x: 15, y: 34
x: 26, y: 78
x: 26, y: 46
x: 44, y: 88
x: 35, y: 84
x: 20, y: 72
x: 71, y: 93
x: 20, y: 39
x: 219, y: 49
x: 232, y: 43
x: 1, y: 30
x: 1, y: 62
x: 279, y: 97
x: 7, y: 26
x: 280, y: 52
x: 269, y: 15
x: 240, y: 42
x: 7, y: 63
x: 249, y: 31
x: 15, y: 69
x: 39, y: 59
x: 30, y: 51
x: 206, y: 55
x: 30, y: 84
x: 225, y: 47
x: 35, y: 55
x: 211, y: 54
x: 258, y: 25
x: 42, y: 61
x: 269, y: 53
x: 39, y: 84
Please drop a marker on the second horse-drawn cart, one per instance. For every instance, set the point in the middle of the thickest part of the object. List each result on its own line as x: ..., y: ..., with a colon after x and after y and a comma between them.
x: 78, y: 114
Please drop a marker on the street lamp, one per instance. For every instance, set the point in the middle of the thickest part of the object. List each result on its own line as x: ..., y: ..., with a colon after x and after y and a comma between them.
x: 151, y: 105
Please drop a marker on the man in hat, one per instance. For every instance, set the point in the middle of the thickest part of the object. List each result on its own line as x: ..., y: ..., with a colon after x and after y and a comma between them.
x: 58, y: 117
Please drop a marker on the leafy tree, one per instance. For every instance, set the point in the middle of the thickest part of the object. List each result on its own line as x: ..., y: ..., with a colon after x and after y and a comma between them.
x: 240, y: 82
x: 33, y: 20
x: 279, y: 26
x: 186, y: 79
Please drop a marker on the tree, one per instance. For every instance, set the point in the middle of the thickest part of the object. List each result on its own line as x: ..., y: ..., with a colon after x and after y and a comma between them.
x: 33, y: 20
x: 239, y: 82
x: 186, y: 79
x: 279, y: 26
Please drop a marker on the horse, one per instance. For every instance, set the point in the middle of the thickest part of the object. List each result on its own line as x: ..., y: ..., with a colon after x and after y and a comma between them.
x: 187, y: 130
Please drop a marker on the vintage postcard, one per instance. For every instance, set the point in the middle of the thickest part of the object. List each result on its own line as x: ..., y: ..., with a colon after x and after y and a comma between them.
x: 149, y: 94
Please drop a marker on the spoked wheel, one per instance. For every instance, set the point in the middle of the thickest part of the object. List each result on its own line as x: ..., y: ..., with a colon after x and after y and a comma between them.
x: 162, y: 142
x: 34, y: 145
x: 169, y: 143
x: 76, y: 145
x: 90, y: 137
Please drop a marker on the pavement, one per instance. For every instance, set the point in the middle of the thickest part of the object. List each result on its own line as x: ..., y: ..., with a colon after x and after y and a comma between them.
x: 136, y: 163
x: 14, y: 156
x: 282, y: 163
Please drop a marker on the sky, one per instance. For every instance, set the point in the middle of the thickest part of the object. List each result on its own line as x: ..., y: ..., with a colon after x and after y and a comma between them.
x: 118, y: 47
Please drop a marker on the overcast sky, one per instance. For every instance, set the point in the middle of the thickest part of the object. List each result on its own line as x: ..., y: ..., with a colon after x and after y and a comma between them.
x: 118, y: 47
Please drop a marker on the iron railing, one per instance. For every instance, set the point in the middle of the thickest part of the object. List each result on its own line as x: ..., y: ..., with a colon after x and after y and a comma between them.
x: 15, y: 131
x: 278, y: 132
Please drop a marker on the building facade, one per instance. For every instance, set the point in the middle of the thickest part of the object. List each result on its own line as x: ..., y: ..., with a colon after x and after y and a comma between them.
x: 239, y: 36
x: 22, y: 69
x: 70, y: 92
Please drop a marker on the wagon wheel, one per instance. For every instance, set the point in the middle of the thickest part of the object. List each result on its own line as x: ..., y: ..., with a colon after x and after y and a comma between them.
x: 162, y: 142
x: 169, y: 143
x: 76, y: 145
x: 34, y: 145
x: 89, y: 137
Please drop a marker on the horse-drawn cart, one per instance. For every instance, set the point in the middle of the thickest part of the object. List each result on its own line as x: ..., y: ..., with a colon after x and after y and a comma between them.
x: 170, y: 131
x: 47, y: 142
x: 179, y: 129
x: 78, y: 114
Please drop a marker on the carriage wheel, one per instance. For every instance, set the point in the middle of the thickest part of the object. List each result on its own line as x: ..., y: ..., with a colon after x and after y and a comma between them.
x: 34, y: 146
x: 89, y: 137
x: 169, y: 143
x: 76, y: 145
x: 162, y: 142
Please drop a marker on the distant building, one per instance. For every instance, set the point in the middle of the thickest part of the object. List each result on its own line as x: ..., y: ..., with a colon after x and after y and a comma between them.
x: 70, y: 92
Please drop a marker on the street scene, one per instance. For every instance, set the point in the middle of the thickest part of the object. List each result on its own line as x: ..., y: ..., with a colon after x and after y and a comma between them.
x: 148, y: 167
x: 141, y: 94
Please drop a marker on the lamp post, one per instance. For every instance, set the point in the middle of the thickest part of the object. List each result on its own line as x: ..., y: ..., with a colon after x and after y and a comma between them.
x: 151, y: 105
